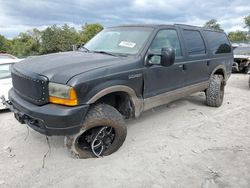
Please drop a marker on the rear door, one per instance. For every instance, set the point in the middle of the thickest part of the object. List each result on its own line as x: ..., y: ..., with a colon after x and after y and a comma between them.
x: 197, y: 62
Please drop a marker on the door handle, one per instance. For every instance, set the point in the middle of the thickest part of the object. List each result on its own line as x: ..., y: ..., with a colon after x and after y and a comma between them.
x: 184, y: 67
x: 180, y: 66
x: 208, y: 63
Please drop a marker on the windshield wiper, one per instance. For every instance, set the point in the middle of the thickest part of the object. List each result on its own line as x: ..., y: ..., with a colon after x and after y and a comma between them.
x: 83, y: 49
x: 107, y: 53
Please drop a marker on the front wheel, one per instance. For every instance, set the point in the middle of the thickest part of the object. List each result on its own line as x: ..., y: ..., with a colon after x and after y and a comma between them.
x: 103, y: 132
x: 215, y: 91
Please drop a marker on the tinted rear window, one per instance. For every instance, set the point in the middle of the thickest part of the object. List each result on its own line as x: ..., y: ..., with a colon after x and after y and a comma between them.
x: 218, y: 42
x: 194, y: 42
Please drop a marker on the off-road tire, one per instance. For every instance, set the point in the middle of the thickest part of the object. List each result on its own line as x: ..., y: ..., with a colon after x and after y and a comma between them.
x: 99, y: 115
x: 215, y: 91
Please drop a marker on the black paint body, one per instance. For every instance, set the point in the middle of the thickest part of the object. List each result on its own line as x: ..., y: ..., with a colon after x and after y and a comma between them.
x: 90, y: 73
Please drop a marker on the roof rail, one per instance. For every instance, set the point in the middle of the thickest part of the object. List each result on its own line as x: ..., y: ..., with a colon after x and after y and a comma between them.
x: 186, y: 25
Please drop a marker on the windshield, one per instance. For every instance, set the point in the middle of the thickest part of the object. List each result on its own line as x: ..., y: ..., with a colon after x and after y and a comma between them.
x: 123, y: 40
x: 242, y: 51
x: 5, y: 71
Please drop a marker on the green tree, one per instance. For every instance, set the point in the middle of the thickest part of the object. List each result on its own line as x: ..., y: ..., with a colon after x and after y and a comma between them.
x: 36, y: 36
x: 5, y: 44
x: 247, y: 22
x: 57, y: 39
x: 52, y: 39
x: 237, y: 36
x: 26, y: 44
x: 89, y: 31
x: 212, y: 24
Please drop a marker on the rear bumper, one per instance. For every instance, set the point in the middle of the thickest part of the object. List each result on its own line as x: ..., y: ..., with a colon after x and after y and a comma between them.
x: 49, y: 119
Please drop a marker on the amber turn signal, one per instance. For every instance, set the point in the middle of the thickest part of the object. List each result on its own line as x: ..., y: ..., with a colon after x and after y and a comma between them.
x: 71, y: 101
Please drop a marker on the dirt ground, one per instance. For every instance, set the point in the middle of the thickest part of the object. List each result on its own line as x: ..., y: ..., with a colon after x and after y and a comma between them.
x: 183, y: 144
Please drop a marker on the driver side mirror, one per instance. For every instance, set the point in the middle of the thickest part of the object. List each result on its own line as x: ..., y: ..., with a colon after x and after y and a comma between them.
x: 167, y: 57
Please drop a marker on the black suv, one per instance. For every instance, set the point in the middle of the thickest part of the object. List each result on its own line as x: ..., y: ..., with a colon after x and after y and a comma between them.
x: 121, y: 72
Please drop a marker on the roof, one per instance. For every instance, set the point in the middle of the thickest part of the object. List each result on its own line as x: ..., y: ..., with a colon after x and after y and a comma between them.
x: 143, y: 25
x: 165, y: 25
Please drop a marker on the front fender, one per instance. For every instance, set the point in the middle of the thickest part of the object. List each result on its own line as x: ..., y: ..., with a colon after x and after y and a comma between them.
x: 129, y: 82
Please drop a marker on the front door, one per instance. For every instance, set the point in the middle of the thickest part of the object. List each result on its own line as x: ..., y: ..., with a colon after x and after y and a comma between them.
x: 157, y: 78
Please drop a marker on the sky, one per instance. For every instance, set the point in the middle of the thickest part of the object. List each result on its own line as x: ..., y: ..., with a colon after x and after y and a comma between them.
x: 21, y: 15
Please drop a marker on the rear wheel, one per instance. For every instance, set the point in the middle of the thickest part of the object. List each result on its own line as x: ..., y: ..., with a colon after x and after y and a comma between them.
x: 215, y: 91
x: 102, y: 133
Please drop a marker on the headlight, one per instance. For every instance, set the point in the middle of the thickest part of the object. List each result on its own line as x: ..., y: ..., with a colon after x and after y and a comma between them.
x: 62, y: 94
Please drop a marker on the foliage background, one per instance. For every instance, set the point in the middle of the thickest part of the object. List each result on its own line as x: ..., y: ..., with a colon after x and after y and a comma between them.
x: 50, y: 40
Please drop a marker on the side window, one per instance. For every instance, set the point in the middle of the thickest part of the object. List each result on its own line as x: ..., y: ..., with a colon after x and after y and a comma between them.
x: 218, y: 42
x: 163, y: 39
x: 194, y: 42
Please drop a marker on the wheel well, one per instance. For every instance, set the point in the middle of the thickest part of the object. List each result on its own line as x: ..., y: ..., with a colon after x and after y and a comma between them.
x: 121, y: 101
x: 221, y: 72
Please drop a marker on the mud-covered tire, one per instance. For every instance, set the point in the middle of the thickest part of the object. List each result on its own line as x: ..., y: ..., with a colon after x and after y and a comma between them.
x: 99, y: 115
x: 215, y: 91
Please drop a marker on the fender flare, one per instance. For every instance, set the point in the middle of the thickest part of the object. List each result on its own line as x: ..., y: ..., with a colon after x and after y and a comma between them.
x: 220, y: 67
x: 136, y: 102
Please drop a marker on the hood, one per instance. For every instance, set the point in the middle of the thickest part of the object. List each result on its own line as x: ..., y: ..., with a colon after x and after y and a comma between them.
x: 60, y: 67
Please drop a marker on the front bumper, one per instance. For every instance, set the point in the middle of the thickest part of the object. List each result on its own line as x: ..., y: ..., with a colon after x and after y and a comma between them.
x: 49, y: 119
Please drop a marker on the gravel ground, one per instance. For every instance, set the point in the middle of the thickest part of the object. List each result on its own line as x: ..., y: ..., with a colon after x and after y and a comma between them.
x: 183, y: 144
